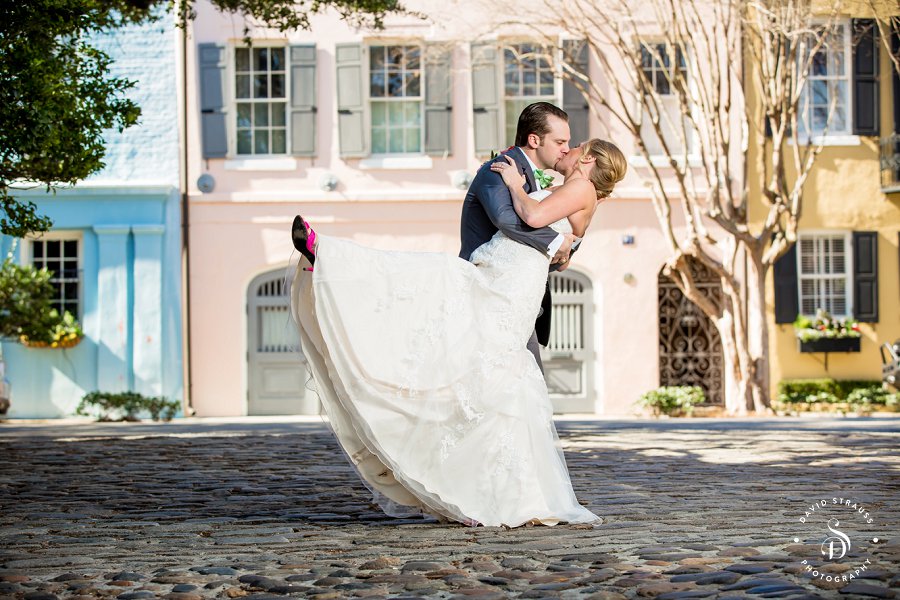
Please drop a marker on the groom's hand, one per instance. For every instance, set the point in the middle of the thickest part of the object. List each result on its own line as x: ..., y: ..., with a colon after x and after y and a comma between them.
x: 561, y: 258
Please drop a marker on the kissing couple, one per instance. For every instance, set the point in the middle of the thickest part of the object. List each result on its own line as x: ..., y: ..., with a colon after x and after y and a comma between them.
x: 427, y: 364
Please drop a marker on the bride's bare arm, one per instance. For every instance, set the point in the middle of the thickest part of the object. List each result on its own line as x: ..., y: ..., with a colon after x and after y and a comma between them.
x: 566, y: 200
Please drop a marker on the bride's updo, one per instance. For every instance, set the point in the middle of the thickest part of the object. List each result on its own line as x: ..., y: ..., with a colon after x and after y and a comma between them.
x: 609, y: 168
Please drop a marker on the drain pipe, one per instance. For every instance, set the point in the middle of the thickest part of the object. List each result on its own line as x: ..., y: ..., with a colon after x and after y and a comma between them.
x: 187, y: 405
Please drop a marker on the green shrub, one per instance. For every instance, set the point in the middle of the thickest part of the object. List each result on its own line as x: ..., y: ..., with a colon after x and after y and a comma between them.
x: 858, y: 393
x: 672, y: 400
x: 126, y: 406
x: 846, y: 387
x: 798, y: 390
x: 868, y: 396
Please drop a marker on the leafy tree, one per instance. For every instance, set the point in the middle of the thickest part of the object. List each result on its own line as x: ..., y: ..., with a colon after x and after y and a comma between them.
x: 57, y: 96
x: 56, y: 99
x: 26, y: 296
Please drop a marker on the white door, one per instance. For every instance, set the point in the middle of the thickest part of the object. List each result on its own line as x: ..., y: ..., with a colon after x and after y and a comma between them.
x: 569, y: 357
x: 276, y: 370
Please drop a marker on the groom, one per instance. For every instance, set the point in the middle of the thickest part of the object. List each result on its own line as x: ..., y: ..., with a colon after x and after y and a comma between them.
x: 542, y: 139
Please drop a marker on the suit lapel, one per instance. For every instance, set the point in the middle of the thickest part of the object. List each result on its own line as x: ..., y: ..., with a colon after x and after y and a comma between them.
x: 524, y: 168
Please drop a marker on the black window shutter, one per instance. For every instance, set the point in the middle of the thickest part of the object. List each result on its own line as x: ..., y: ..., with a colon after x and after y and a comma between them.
x: 787, y: 300
x: 895, y: 76
x: 866, y: 111
x: 865, y: 276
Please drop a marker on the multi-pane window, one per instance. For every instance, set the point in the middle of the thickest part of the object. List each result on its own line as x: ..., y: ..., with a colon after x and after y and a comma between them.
x: 664, y: 72
x: 60, y: 257
x: 825, y: 103
x: 260, y: 84
x: 659, y: 67
x: 528, y: 77
x: 395, y: 91
x: 824, y: 277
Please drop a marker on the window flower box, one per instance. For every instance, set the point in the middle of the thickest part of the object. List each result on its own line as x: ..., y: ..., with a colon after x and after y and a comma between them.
x: 833, y: 344
x: 825, y: 333
x: 67, y: 342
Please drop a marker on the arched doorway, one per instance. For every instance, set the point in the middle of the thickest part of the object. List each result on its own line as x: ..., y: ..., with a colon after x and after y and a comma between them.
x: 276, y: 370
x: 690, y: 350
x: 569, y: 357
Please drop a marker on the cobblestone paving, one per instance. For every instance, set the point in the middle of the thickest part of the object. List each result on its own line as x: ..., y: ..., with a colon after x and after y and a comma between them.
x: 693, y: 509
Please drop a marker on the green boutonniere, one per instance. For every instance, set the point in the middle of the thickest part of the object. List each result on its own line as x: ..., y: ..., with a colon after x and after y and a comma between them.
x: 542, y: 178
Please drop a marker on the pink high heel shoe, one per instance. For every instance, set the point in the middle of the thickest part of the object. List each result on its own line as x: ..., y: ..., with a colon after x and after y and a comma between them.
x: 304, y: 239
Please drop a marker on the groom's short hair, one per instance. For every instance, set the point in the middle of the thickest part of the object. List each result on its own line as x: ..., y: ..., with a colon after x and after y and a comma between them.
x: 533, y: 119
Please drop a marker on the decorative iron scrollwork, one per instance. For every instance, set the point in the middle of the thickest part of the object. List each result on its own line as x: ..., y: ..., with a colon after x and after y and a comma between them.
x: 690, y: 350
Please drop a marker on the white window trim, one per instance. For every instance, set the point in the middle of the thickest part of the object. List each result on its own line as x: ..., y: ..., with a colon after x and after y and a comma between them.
x: 231, y: 116
x: 848, y: 245
x: 830, y: 139
x: 844, y: 137
x: 377, y: 160
x: 396, y: 162
x: 262, y: 163
x: 27, y: 251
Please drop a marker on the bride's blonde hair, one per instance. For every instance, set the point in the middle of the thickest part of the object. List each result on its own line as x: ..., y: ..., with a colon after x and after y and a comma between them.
x: 609, y: 167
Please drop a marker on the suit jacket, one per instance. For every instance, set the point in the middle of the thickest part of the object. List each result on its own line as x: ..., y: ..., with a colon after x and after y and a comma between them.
x: 488, y: 208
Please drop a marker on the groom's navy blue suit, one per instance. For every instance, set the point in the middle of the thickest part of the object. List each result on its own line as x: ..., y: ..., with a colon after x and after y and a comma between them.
x: 488, y: 208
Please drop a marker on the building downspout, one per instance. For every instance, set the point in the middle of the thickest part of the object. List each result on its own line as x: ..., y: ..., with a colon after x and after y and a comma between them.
x: 188, y: 406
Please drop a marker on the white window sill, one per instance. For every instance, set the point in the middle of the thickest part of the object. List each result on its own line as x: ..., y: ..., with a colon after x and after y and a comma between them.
x: 261, y: 164
x: 662, y: 161
x: 396, y: 162
x: 828, y: 140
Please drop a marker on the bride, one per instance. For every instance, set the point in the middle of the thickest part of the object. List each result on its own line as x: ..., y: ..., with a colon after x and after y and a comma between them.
x: 421, y: 365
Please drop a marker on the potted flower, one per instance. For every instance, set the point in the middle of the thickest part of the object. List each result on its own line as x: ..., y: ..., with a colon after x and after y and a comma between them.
x: 26, y: 311
x: 59, y: 332
x: 825, y: 333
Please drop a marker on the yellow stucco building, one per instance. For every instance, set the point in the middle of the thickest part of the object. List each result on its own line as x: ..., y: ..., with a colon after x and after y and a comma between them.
x: 846, y: 257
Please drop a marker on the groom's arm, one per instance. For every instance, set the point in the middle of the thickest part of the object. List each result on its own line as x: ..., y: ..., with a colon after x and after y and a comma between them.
x: 497, y: 203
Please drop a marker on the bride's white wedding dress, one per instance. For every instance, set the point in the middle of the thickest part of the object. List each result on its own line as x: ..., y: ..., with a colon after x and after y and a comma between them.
x: 420, y: 363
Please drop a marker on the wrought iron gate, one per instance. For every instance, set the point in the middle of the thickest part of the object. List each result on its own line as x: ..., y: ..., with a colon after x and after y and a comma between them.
x: 690, y: 350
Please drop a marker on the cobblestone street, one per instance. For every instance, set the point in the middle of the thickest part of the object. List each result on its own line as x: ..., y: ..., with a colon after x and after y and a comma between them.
x: 700, y: 508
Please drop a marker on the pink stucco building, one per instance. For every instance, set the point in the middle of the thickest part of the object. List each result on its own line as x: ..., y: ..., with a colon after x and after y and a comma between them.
x: 374, y: 136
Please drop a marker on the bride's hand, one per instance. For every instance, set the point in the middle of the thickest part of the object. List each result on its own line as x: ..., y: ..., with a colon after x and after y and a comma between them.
x: 509, y: 172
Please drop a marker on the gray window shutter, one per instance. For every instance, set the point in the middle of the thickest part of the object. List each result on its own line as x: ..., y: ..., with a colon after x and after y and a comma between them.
x: 866, y: 106
x: 303, y: 99
x: 438, y: 113
x: 575, y: 54
x: 350, y: 99
x: 212, y: 100
x: 486, y: 100
x: 787, y: 298
x: 865, y: 276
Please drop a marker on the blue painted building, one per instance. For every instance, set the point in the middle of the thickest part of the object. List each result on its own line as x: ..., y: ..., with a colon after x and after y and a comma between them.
x: 116, y: 249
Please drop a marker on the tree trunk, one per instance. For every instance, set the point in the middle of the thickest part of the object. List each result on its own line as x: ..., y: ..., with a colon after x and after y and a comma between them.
x: 746, y: 350
x: 730, y: 366
x: 758, y: 334
x: 737, y: 363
